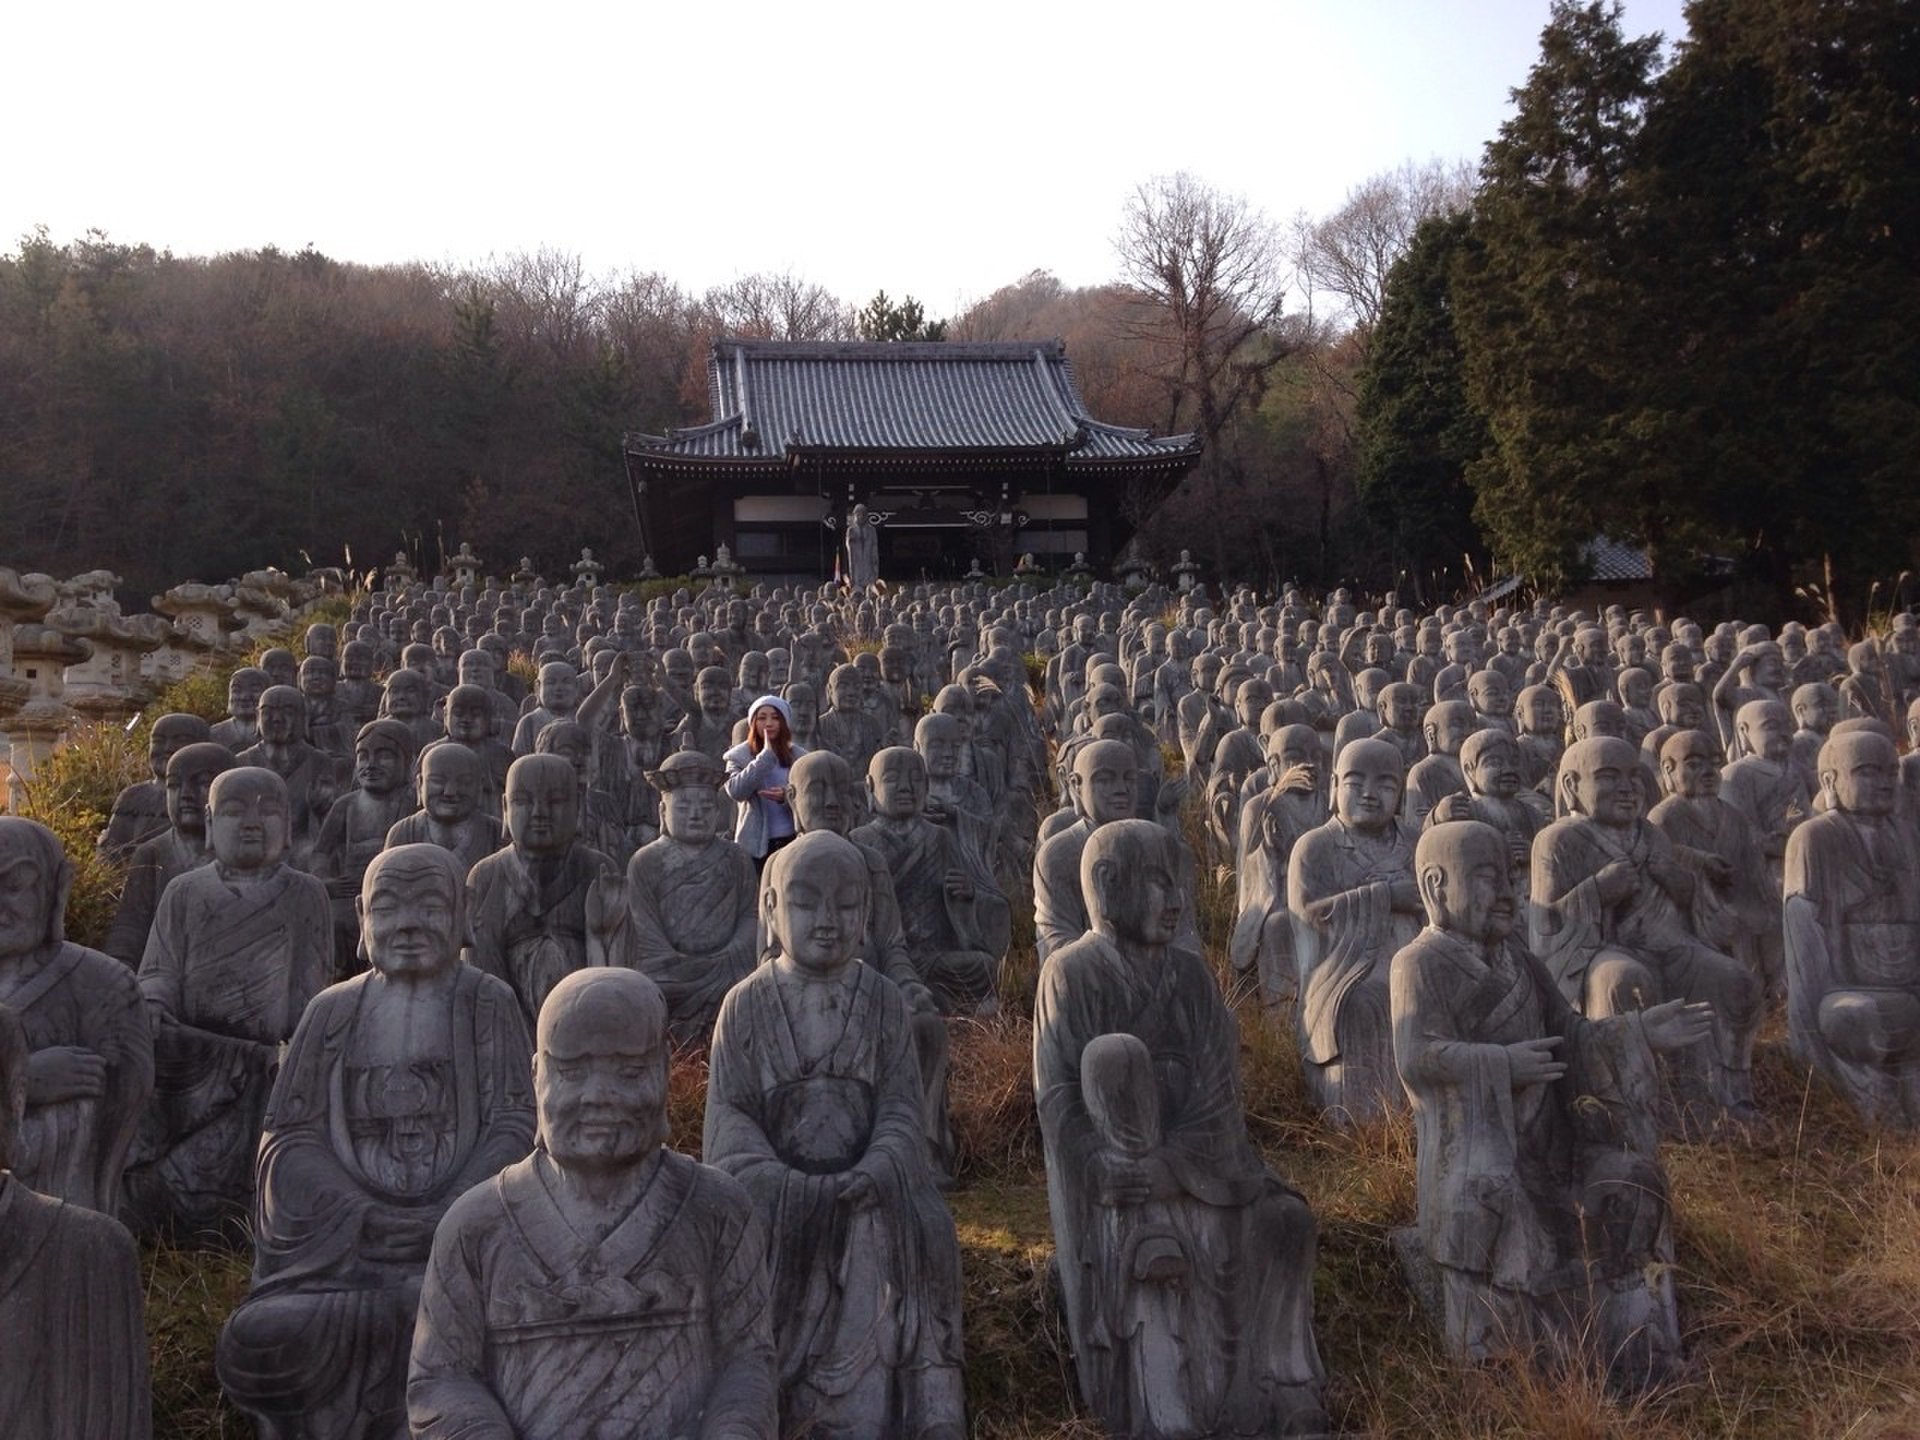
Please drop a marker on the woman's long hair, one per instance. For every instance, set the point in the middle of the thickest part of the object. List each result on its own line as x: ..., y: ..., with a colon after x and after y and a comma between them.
x: 782, y: 742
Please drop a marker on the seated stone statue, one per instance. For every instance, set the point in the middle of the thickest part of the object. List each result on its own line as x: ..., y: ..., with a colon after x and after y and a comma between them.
x: 691, y: 895
x: 1271, y: 824
x: 824, y: 798
x: 1543, y: 1204
x: 1100, y: 788
x: 309, y: 772
x: 140, y: 811
x: 934, y: 885
x: 70, y: 1297
x: 450, y: 815
x: 1185, y: 1264
x: 1852, y: 916
x: 1351, y: 893
x: 1611, y: 921
x: 238, y: 948
x: 546, y: 905
x: 402, y: 1089
x: 814, y: 1106
x: 1736, y: 904
x: 241, y: 728
x: 357, y: 826
x: 90, y: 1070
x: 178, y: 849
x: 604, y: 1285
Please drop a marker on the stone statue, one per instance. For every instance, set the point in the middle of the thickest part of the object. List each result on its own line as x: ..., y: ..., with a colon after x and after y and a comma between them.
x: 1351, y: 892
x: 241, y: 728
x: 140, y: 811
x: 1852, y: 915
x: 1185, y: 1264
x: 605, y: 1285
x: 402, y: 1089
x: 863, y: 550
x: 1543, y: 1205
x: 450, y: 815
x: 1271, y: 824
x: 825, y: 798
x: 814, y: 1106
x: 1610, y: 919
x: 90, y: 1071
x: 308, y: 771
x: 357, y: 826
x: 547, y: 904
x: 238, y: 948
x: 933, y: 883
x: 70, y: 1296
x: 1102, y: 787
x: 1736, y: 904
x: 175, y: 851
x: 691, y: 896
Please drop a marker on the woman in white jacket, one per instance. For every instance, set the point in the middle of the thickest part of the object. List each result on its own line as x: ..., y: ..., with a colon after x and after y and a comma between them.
x: 757, y: 778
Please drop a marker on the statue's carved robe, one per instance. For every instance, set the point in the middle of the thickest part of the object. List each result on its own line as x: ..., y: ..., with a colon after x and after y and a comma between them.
x: 866, y: 1303
x: 529, y: 1330
x: 227, y: 972
x: 347, y: 1145
x: 1853, y: 960
x: 1428, y: 783
x: 472, y: 839
x: 70, y: 1308
x: 1531, y: 1199
x: 65, y: 994
x: 1241, y: 1323
x: 851, y: 735
x: 534, y: 924
x: 156, y: 861
x: 1343, y: 963
x: 694, y: 926
x: 1773, y: 797
x: 943, y: 934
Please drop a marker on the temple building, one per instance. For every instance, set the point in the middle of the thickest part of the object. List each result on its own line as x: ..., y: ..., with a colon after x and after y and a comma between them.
x: 960, y: 452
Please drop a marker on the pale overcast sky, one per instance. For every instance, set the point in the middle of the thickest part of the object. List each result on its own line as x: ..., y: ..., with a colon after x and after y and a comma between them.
x: 940, y: 151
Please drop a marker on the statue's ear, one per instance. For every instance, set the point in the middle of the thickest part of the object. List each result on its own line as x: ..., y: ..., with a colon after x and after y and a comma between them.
x: 1433, y: 887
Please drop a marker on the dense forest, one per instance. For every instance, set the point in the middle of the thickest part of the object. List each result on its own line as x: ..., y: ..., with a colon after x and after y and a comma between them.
x: 1678, y: 303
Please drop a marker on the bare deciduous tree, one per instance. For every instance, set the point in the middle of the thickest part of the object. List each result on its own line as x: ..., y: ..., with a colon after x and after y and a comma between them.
x: 1347, y: 254
x: 1208, y: 273
x: 768, y: 306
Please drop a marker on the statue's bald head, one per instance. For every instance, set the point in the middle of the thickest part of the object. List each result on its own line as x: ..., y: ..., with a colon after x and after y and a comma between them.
x: 1116, y: 865
x: 589, y: 1006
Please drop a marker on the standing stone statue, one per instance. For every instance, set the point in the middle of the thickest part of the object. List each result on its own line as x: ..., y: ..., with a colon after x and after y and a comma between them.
x: 90, y: 1069
x: 238, y: 948
x: 1351, y: 893
x: 1271, y: 824
x: 402, y: 1089
x: 241, y: 728
x: 863, y: 550
x: 70, y: 1297
x: 1102, y: 787
x: 1853, y: 933
x: 814, y: 1106
x: 692, y: 898
x: 605, y: 1285
x: 1543, y: 1205
x: 546, y: 905
x: 1186, y: 1265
